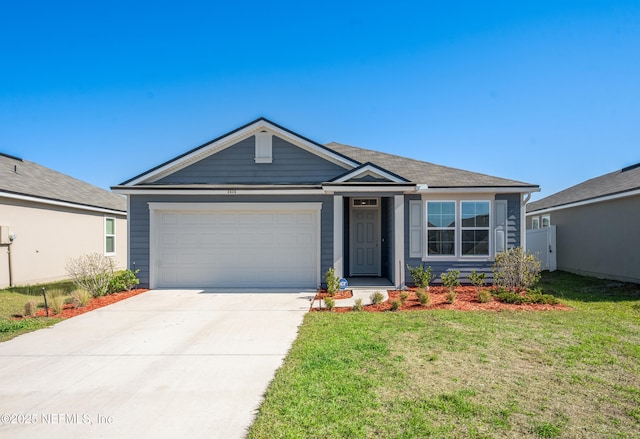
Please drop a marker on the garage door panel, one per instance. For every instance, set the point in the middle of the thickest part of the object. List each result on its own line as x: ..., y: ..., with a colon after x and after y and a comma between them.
x: 237, y: 249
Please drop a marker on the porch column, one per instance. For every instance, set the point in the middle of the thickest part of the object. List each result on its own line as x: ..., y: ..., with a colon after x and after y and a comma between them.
x: 338, y: 235
x: 398, y: 240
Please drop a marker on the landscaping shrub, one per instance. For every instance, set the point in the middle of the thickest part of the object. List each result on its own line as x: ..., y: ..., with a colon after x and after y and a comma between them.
x: 423, y: 297
x: 80, y: 298
x: 377, y: 297
x: 450, y: 279
x: 92, y: 272
x: 421, y: 277
x: 484, y: 296
x: 395, y: 304
x: 516, y: 269
x: 450, y: 296
x: 358, y: 305
x: 477, y: 279
x: 30, y: 309
x: 538, y: 296
x: 56, y: 301
x: 330, y: 303
x: 404, y: 295
x: 123, y: 280
x: 530, y: 296
x: 333, y: 281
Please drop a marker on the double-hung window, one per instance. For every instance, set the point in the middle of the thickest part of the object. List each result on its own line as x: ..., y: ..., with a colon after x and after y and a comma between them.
x: 458, y: 228
x: 110, y: 236
x: 441, y: 228
x: 475, y: 228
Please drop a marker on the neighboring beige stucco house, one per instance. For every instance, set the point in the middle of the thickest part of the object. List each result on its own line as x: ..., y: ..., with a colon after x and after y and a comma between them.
x: 47, y: 217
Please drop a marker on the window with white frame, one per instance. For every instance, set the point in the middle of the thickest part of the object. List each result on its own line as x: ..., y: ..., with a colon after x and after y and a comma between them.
x: 110, y: 236
x: 456, y: 228
x: 546, y: 220
x: 474, y: 227
x: 441, y: 228
x: 535, y: 222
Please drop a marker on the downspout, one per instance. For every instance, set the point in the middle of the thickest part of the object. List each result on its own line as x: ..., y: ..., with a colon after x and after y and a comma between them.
x: 523, y: 220
x: 10, y: 264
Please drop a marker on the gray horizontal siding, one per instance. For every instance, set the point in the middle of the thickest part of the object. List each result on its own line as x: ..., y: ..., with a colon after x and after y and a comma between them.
x: 236, y: 165
x: 465, y: 267
x: 139, y: 224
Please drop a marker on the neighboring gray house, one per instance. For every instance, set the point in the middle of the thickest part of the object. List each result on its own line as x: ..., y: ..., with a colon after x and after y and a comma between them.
x: 262, y: 206
x: 597, y: 225
x: 47, y: 217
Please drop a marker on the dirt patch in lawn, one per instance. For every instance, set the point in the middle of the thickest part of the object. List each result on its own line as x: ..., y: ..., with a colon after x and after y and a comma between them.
x: 466, y: 300
x: 98, y: 302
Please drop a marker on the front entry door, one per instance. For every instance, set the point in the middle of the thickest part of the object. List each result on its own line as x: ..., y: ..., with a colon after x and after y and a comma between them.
x: 365, y: 241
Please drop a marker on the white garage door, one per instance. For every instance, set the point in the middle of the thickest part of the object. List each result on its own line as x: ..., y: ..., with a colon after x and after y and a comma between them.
x: 235, y: 245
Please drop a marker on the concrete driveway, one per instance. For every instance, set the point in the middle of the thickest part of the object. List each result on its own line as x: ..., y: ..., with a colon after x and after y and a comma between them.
x: 161, y: 364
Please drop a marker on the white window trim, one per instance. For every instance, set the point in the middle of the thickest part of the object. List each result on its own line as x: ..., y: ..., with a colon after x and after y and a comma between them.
x: 456, y: 251
x: 543, y: 218
x: 107, y: 235
x: 535, y: 222
x: 264, y: 147
x: 458, y: 256
x: 490, y: 228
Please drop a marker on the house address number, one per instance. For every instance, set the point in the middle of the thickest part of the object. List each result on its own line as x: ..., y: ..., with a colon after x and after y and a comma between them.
x: 231, y: 191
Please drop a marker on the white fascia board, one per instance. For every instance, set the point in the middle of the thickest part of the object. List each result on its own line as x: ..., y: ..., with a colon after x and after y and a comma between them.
x: 331, y: 189
x: 234, y: 138
x: 235, y: 207
x: 585, y: 202
x: 61, y: 204
x: 229, y: 191
x: 487, y: 189
x: 372, y: 170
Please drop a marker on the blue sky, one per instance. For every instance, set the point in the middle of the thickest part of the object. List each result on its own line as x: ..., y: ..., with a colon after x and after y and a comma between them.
x: 546, y: 92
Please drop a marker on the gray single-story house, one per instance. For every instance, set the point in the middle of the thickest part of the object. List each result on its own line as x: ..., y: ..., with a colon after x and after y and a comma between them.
x: 264, y: 207
x: 47, y: 218
x: 597, y: 232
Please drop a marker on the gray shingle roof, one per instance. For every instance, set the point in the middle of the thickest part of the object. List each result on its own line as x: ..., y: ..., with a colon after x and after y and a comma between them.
x: 617, y: 182
x: 31, y: 179
x: 435, y: 176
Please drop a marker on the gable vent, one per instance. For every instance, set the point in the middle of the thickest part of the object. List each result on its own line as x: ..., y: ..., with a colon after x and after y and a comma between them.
x: 264, y: 143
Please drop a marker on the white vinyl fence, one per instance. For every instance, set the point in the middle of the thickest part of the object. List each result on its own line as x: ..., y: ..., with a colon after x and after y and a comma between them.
x: 542, y: 243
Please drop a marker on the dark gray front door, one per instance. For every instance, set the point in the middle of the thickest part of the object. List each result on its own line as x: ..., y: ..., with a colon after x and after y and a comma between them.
x: 365, y: 242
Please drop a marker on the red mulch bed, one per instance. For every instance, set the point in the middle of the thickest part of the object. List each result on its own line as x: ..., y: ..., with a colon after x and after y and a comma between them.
x: 98, y: 302
x: 466, y: 300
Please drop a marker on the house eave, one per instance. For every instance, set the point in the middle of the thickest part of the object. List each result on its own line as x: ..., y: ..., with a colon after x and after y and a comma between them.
x: 423, y: 189
x: 586, y: 202
x: 61, y: 203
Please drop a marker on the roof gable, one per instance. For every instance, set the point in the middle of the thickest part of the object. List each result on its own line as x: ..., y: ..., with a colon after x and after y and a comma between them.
x: 369, y: 172
x: 233, y: 138
x: 27, y: 180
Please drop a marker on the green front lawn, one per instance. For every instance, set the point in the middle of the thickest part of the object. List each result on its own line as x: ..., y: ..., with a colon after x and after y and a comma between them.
x: 466, y: 374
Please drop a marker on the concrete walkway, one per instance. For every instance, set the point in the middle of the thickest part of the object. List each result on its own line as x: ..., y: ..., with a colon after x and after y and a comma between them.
x: 364, y: 294
x: 163, y: 364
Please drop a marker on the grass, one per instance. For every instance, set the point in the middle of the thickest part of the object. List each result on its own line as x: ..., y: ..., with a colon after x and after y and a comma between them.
x: 455, y: 374
x: 13, y: 300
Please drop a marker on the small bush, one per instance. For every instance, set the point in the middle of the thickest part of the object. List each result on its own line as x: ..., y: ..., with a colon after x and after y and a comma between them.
x: 376, y: 297
x: 330, y: 303
x: 538, y: 296
x: 530, y: 296
x: 56, y: 302
x: 358, y: 305
x: 395, y: 304
x: 484, y: 296
x: 423, y: 297
x: 506, y: 296
x: 123, y: 280
x: 477, y: 279
x: 404, y: 295
x: 450, y: 297
x: 80, y: 298
x: 421, y: 277
x: 93, y: 272
x: 516, y: 269
x: 333, y: 281
x: 450, y: 279
x: 30, y: 309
